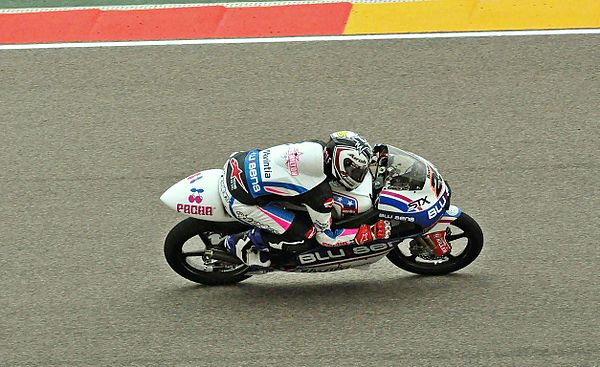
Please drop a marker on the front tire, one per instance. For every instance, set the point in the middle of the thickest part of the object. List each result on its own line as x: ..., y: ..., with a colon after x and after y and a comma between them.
x: 464, y: 227
x: 181, y: 262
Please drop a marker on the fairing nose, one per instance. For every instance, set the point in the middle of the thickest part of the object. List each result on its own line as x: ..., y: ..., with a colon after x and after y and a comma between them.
x: 171, y: 197
x: 198, y: 196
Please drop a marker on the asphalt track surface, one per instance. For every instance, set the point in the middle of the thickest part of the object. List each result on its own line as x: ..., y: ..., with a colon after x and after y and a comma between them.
x: 92, y: 137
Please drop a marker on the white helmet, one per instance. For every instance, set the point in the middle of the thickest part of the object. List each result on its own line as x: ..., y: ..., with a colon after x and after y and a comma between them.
x: 350, y: 155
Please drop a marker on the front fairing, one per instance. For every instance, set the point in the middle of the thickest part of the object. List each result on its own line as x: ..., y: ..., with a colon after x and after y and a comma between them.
x: 410, y: 189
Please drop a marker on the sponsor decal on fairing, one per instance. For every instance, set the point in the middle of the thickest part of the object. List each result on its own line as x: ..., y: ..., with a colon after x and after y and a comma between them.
x: 397, y: 217
x: 395, y: 206
x: 438, y: 208
x: 437, y: 184
x: 195, y: 177
x: 325, y: 270
x: 351, y: 253
x: 195, y: 198
x: 195, y: 209
x: 417, y: 205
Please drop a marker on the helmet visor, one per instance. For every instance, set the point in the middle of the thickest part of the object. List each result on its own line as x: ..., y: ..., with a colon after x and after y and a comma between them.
x: 354, y: 171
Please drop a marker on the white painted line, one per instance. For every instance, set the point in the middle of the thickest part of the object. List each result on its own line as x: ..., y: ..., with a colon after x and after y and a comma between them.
x: 223, y: 41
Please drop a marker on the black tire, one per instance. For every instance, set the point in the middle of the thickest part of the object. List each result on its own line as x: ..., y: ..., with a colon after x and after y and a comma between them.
x: 470, y: 230
x: 177, y: 258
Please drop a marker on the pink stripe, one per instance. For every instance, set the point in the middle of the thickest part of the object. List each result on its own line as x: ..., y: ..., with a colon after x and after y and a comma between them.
x: 274, y: 191
x: 398, y: 196
x: 283, y: 223
x: 348, y: 232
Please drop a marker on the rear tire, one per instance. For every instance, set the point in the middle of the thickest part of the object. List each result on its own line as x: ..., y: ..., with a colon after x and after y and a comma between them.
x: 472, y: 232
x: 178, y: 259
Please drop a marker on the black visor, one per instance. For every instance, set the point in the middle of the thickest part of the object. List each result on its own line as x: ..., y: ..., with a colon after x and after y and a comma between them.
x: 355, y: 172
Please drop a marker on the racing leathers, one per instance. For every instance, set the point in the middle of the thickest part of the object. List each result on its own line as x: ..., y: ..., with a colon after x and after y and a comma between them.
x: 255, y: 185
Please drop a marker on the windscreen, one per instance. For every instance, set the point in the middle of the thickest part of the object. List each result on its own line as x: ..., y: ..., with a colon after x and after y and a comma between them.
x: 404, y: 171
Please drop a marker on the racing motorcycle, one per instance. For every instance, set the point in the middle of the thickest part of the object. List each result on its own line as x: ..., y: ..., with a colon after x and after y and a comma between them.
x: 429, y: 235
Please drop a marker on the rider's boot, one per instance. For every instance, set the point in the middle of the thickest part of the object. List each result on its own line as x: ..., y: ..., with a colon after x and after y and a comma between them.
x: 249, y: 247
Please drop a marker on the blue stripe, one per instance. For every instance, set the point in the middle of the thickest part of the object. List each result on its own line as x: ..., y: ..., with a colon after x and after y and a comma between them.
x: 395, y: 203
x: 276, y: 210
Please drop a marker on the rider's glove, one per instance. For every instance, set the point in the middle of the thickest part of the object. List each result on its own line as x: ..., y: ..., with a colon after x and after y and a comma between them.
x: 379, y: 151
x: 378, y: 231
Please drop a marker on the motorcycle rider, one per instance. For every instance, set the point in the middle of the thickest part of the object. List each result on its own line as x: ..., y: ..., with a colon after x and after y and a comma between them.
x: 257, y: 182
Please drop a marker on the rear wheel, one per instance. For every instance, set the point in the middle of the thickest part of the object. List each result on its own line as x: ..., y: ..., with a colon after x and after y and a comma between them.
x: 188, y: 249
x: 465, y: 237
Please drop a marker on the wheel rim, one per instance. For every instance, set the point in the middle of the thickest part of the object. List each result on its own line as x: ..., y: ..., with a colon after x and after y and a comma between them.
x: 459, y: 241
x: 192, y: 255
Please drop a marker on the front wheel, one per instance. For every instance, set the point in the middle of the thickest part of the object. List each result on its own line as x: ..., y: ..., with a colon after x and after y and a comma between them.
x: 186, y: 248
x: 465, y: 237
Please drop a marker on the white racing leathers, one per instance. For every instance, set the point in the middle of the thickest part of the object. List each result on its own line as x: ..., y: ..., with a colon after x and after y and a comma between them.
x: 255, y: 182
